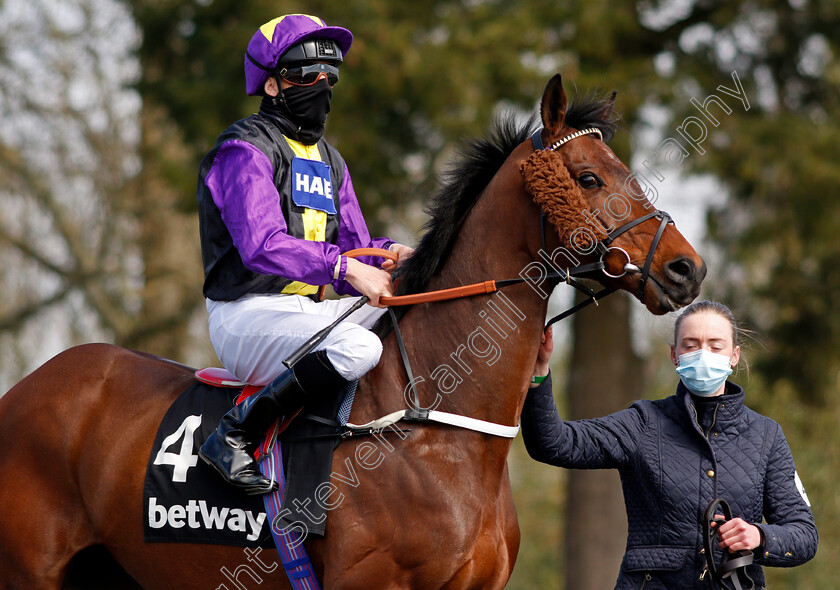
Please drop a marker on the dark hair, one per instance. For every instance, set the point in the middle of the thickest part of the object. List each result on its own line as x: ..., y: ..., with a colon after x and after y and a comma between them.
x: 711, y: 307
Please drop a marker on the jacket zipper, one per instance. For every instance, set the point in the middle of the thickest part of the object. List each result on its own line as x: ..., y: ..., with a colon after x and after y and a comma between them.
x: 647, y: 579
x: 697, y: 419
x: 714, y: 419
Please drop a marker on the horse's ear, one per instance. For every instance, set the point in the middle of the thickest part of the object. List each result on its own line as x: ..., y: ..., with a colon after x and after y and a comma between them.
x: 553, y: 106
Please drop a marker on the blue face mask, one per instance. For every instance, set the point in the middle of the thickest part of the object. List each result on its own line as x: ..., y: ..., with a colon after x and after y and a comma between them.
x: 703, y: 372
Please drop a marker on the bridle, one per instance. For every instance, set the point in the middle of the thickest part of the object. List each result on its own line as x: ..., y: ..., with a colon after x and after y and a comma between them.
x: 569, y: 275
x: 602, y: 247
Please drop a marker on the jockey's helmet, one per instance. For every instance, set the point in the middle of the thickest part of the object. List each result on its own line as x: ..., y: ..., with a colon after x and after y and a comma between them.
x: 288, y: 39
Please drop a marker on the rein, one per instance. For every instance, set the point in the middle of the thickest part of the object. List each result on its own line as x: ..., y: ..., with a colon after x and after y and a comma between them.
x: 733, y: 566
x: 568, y: 276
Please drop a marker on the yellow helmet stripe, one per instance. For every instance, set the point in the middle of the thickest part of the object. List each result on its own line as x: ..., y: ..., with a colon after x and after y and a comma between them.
x: 268, y: 28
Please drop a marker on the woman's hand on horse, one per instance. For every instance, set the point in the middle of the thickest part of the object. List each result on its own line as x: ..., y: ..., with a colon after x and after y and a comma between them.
x: 368, y: 280
x: 739, y: 535
x: 541, y: 367
x: 403, y: 253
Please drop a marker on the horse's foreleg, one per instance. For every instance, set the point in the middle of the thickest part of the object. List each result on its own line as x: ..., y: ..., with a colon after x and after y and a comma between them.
x: 494, y: 553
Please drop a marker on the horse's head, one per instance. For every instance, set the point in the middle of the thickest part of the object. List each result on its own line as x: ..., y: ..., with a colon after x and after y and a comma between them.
x: 601, y: 211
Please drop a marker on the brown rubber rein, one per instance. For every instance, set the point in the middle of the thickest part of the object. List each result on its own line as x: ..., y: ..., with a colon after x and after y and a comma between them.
x: 317, y: 338
x: 431, y: 296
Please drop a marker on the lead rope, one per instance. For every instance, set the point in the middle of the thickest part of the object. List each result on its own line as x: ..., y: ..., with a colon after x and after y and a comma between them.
x: 733, y: 567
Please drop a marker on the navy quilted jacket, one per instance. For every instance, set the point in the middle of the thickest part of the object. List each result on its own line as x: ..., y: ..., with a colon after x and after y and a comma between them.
x: 671, y: 468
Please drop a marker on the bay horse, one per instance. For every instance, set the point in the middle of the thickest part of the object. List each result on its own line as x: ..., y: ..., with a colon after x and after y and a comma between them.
x: 430, y: 510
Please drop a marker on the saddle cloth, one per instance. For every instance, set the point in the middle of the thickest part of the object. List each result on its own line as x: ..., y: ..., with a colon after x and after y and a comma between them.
x: 185, y: 500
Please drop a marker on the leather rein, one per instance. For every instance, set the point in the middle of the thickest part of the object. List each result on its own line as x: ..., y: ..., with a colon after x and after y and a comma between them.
x: 733, y: 566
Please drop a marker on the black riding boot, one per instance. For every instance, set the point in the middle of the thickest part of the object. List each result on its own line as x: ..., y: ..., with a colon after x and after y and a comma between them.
x: 230, y: 448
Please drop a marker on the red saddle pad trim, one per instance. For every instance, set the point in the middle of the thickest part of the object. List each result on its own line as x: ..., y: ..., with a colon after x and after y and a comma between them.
x: 219, y: 377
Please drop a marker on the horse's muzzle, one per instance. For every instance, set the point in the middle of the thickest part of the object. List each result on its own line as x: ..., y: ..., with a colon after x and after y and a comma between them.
x: 683, y: 278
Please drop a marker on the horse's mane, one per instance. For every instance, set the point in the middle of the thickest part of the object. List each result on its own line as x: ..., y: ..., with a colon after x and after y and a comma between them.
x: 464, y: 181
x: 462, y: 184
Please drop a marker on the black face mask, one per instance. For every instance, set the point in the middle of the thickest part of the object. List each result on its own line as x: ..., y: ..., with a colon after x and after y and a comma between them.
x: 308, y: 107
x: 300, y: 111
x: 309, y: 104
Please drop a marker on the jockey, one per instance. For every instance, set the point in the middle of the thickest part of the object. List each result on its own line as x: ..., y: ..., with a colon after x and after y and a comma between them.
x: 276, y: 210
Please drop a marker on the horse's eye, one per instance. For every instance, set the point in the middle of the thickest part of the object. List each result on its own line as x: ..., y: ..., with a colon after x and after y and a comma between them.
x: 589, y: 180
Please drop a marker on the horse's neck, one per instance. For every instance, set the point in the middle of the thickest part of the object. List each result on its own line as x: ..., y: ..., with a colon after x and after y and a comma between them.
x: 473, y: 356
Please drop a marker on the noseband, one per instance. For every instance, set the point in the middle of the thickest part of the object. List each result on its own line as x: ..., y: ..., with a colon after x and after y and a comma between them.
x: 604, y: 246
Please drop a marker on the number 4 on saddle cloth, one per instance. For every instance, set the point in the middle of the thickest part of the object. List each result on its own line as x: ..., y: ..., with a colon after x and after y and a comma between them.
x: 186, y: 501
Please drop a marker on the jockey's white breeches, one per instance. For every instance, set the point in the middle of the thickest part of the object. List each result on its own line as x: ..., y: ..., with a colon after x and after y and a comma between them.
x: 253, y: 335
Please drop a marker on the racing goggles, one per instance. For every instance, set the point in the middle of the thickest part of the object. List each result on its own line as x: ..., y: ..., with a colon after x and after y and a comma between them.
x: 308, y: 75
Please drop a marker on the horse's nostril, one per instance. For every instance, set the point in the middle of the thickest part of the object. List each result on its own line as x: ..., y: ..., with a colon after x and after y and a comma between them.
x: 681, y: 269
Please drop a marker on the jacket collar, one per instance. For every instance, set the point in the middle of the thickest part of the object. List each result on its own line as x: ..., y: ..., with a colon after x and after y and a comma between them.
x: 730, y: 405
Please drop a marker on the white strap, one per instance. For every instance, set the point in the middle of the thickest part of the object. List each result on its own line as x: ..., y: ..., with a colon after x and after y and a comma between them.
x: 445, y: 418
x: 474, y: 424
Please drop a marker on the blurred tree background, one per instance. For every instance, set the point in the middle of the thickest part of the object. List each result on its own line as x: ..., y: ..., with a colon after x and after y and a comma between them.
x: 109, y: 105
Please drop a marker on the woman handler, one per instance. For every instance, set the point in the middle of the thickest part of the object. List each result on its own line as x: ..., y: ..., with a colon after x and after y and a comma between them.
x: 677, y: 454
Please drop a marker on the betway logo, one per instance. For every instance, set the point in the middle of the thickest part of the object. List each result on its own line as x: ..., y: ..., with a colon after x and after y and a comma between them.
x: 196, y: 514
